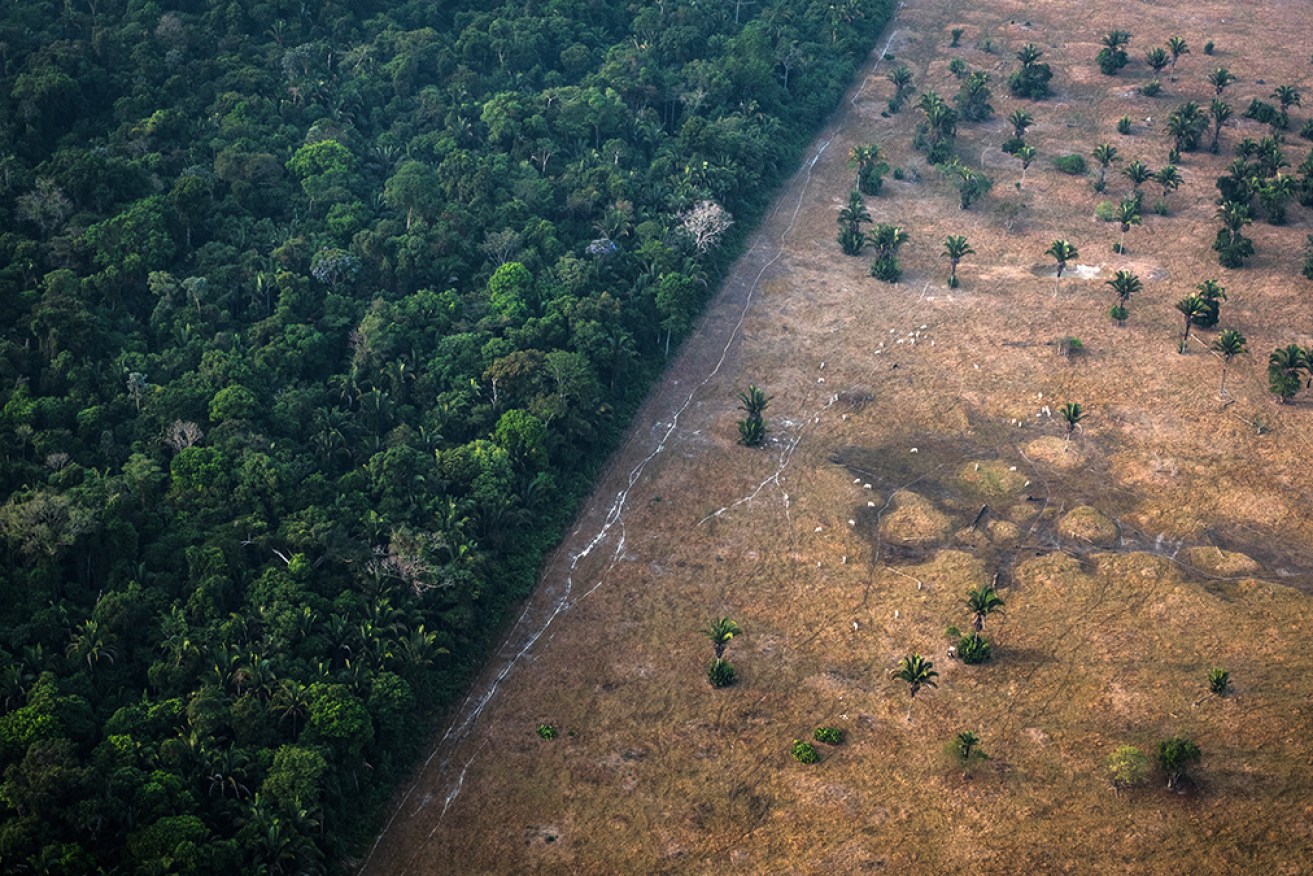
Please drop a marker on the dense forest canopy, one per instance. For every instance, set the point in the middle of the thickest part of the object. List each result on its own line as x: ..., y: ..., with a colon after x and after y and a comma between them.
x: 314, y: 318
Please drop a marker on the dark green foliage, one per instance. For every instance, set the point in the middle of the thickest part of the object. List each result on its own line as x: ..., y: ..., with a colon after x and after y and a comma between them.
x: 721, y: 673
x: 1231, y: 246
x: 955, y: 37
x: 1306, y: 130
x: 1070, y: 164
x: 828, y: 735
x: 1119, y: 313
x: 1209, y: 48
x: 901, y: 79
x: 752, y: 429
x: 1212, y: 294
x: 1285, y: 367
x: 318, y: 322
x: 937, y: 130
x: 752, y: 432
x: 958, y: 67
x: 851, y: 219
x: 1112, y: 57
x: 1308, y: 257
x: 1187, y: 124
x: 1124, y: 125
x: 973, y: 98
x: 1175, y: 757
x: 971, y: 184
x: 1219, y: 680
x: 1267, y: 114
x: 721, y: 630
x: 804, y: 752
x: 974, y: 648
x: 546, y: 731
x: 1012, y: 144
x: 885, y: 240
x: 1152, y: 88
x: 1032, y: 80
x: 870, y: 169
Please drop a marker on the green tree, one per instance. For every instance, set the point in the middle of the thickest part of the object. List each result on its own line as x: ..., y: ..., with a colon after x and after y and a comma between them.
x: 1127, y: 214
x: 1020, y: 120
x: 1112, y: 57
x: 720, y: 631
x: 1220, y: 79
x: 1284, y: 367
x: 1032, y: 80
x: 1026, y: 154
x: 982, y: 602
x: 871, y: 168
x: 1127, y: 767
x: 1229, y: 344
x: 1072, y: 413
x: 901, y: 78
x: 1138, y: 173
x: 1105, y: 154
x: 955, y: 249
x: 676, y: 300
x: 1186, y: 124
x: 916, y: 672
x: 1220, y: 111
x: 1231, y: 245
x: 1125, y: 284
x: 1175, y: 757
x: 851, y: 218
x: 937, y: 130
x: 1178, y: 47
x: 885, y: 240
x: 1212, y: 292
x: 973, y: 98
x: 1157, y: 58
x: 1062, y: 252
x: 1191, y: 307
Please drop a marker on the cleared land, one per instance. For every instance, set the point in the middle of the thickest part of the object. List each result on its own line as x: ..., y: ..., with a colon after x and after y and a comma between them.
x: 1190, y: 548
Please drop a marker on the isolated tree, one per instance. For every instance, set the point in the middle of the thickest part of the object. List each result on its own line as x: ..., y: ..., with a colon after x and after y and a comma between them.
x: 1138, y: 173
x: 1177, y: 46
x: 1125, y: 284
x: 1072, y: 413
x: 1105, y: 154
x: 917, y: 672
x: 720, y: 631
x: 1112, y: 57
x: 955, y: 249
x: 1026, y: 154
x: 851, y: 218
x: 1220, y: 79
x: 1218, y: 681
x: 1062, y: 252
x: 752, y: 428
x: 1020, y: 120
x: 901, y: 78
x: 1231, y: 246
x: 1230, y: 343
x: 1169, y: 178
x: 1157, y: 58
x: 1191, y: 307
x: 871, y: 168
x: 1175, y: 757
x: 1127, y: 767
x: 1212, y: 293
x: 982, y: 602
x: 1284, y: 366
x: 1220, y: 111
x: 1187, y: 124
x: 885, y: 240
x: 1032, y: 80
x: 1287, y: 96
x: 1127, y: 214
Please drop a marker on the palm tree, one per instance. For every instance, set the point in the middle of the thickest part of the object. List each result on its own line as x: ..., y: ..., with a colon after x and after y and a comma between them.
x: 1026, y: 154
x: 1192, y: 307
x: 1157, y: 58
x: 1283, y: 368
x: 1177, y: 46
x: 1211, y: 292
x: 868, y: 160
x: 1230, y: 344
x: 1169, y: 178
x: 1128, y: 214
x: 1072, y: 413
x: 1138, y: 173
x: 982, y: 602
x: 1062, y: 252
x: 886, y: 239
x: 1029, y: 54
x: 1187, y: 124
x: 720, y: 631
x: 851, y: 236
x: 1105, y: 154
x: 1220, y: 110
x: 917, y: 672
x: 1112, y: 57
x: 1287, y: 96
x: 1125, y: 284
x: 955, y: 248
x: 1020, y: 121
x: 754, y: 401
x: 1220, y: 79
x: 901, y: 78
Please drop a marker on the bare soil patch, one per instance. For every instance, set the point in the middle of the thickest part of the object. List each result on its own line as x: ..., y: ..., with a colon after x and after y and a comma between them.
x: 898, y: 412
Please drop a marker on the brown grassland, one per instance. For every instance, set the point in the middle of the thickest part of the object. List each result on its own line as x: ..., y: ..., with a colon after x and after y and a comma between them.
x: 1169, y: 536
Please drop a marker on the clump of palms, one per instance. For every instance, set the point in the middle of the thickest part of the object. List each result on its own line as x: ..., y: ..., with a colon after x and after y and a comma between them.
x: 851, y: 218
x: 901, y: 78
x: 885, y: 240
x: 752, y: 428
x: 1284, y: 367
x: 1231, y: 245
x: 1032, y: 80
x: 869, y: 162
x: 1186, y: 124
x: 955, y: 249
x: 1112, y: 57
x: 1220, y: 111
x: 916, y: 672
x: 1229, y: 344
x: 1213, y: 293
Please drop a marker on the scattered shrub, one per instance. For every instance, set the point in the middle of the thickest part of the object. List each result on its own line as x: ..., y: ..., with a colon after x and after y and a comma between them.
x: 1306, y: 131
x: 886, y: 268
x: 828, y: 735
x: 898, y: 173
x: 1128, y: 767
x: 1308, y: 257
x: 1175, y: 757
x: 987, y: 46
x: 957, y: 67
x: 1151, y: 88
x: 1105, y: 211
x: 1209, y: 48
x: 1070, y: 346
x: 804, y: 752
x: 721, y: 673
x: 974, y: 648
x: 1160, y: 207
x: 1072, y: 164
x: 546, y: 731
x: 1218, y: 680
x: 1124, y: 125
x: 956, y: 34
x: 1119, y: 313
x: 1012, y: 144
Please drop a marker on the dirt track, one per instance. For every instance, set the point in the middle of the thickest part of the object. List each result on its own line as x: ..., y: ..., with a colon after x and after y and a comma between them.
x: 833, y: 581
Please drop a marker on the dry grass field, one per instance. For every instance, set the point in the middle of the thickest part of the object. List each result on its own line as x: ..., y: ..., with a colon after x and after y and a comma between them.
x: 1167, y: 537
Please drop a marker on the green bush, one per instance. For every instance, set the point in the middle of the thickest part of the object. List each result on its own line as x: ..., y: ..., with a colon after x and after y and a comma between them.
x: 1118, y: 313
x: 1209, y: 48
x: 1306, y: 131
x: 1218, y: 680
x: 1151, y: 89
x: 752, y: 432
x: 721, y: 673
x: 1124, y: 125
x: 1072, y: 164
x: 1308, y: 257
x: 828, y: 735
x: 804, y: 752
x: 974, y: 648
x: 886, y: 268
x: 1105, y: 211
x: 546, y: 731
